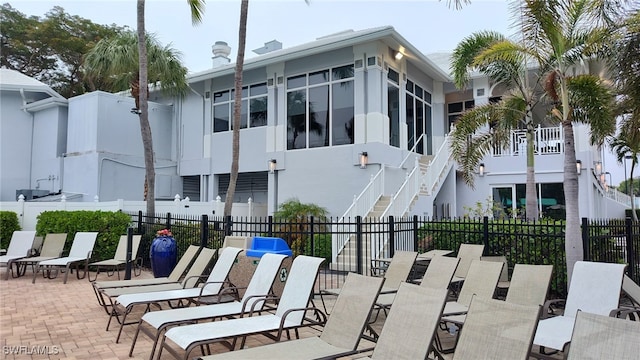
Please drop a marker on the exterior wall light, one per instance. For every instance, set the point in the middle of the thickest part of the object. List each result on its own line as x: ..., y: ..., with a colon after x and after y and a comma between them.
x: 578, y: 167
x: 272, y: 166
x: 481, y: 169
x: 399, y: 55
x: 364, y: 160
x: 598, y: 167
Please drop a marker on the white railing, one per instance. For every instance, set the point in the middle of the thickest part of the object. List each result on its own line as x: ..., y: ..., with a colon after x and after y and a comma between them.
x: 362, y: 204
x: 402, y: 199
x: 440, y: 163
x: 412, y: 151
x: 547, y: 141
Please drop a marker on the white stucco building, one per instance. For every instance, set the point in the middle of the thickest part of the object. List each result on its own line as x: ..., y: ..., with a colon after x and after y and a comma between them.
x: 346, y: 122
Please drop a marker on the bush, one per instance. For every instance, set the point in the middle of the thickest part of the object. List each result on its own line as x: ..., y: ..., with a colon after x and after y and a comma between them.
x: 322, y: 247
x: 109, y: 225
x: 8, y: 224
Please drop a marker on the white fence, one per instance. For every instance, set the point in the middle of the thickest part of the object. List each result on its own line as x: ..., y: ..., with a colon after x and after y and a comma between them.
x: 28, y: 211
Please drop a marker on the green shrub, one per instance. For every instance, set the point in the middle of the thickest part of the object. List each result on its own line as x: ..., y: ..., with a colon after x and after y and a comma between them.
x: 109, y: 225
x: 322, y: 247
x: 8, y: 224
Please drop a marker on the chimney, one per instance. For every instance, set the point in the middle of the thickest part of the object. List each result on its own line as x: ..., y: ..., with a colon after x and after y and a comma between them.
x: 221, y: 53
x: 268, y: 47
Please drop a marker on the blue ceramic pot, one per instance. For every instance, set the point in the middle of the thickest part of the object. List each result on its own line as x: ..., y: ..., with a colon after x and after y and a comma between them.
x: 164, y: 255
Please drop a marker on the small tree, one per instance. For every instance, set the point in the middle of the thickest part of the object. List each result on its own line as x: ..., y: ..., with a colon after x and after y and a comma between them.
x: 294, y: 227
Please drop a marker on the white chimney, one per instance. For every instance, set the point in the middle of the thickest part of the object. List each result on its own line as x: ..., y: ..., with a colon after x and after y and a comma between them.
x: 221, y: 53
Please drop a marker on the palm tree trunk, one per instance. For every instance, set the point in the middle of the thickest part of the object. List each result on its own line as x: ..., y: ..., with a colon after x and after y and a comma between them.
x: 145, y: 128
x: 233, y: 177
x: 632, y: 193
x: 572, y: 239
x: 531, y: 193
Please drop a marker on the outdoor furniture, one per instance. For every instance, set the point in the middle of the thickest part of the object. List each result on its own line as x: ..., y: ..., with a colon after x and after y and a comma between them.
x: 503, y: 282
x: 192, y: 277
x: 154, y: 323
x: 185, y: 261
x: 594, y: 288
x: 217, y: 279
x: 52, y: 248
x: 631, y: 289
x: 481, y: 281
x: 80, y: 253
x: 340, y: 335
x: 397, y: 272
x: 19, y: 247
x: 604, y: 337
x: 119, y: 258
x: 497, y: 330
x: 289, y: 315
x: 467, y: 253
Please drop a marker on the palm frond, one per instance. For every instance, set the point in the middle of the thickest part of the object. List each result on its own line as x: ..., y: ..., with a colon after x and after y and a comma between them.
x: 592, y: 103
x: 197, y: 10
x: 463, y: 57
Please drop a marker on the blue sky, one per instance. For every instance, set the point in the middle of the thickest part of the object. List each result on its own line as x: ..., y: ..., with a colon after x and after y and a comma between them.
x: 429, y: 25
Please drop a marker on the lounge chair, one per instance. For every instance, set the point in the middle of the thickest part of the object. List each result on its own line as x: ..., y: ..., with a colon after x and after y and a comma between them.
x: 119, y: 258
x: 216, y: 281
x: 438, y: 276
x: 174, y: 277
x: 107, y: 296
x: 19, y: 247
x: 530, y: 284
x: 289, y: 315
x: 397, y: 272
x: 632, y: 290
x: 604, y: 337
x: 154, y: 323
x: 340, y: 335
x: 481, y: 281
x: 497, y: 330
x: 79, y: 254
x: 595, y: 288
x: 52, y: 248
x: 503, y: 283
x: 467, y: 253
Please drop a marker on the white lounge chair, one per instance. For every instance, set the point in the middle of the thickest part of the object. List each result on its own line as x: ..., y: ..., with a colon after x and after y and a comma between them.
x: 154, y: 323
x: 80, y: 253
x: 290, y: 314
x: 467, y: 253
x: 595, y: 288
x: 52, y: 248
x: 217, y: 279
x: 119, y: 258
x: 19, y: 247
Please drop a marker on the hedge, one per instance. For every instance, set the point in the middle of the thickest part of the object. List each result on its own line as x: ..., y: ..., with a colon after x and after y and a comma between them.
x: 8, y: 224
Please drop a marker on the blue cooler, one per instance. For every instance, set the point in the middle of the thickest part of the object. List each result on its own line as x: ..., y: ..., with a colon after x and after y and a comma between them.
x: 263, y: 245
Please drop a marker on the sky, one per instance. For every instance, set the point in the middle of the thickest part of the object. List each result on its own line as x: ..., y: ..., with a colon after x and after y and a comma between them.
x: 430, y: 25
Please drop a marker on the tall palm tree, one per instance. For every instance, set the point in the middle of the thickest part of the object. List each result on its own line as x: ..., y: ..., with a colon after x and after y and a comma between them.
x: 117, y: 60
x: 235, y: 147
x: 627, y: 143
x: 564, y: 37
x: 478, y: 130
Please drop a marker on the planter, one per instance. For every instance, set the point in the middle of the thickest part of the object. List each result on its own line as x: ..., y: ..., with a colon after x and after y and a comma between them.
x: 163, y: 254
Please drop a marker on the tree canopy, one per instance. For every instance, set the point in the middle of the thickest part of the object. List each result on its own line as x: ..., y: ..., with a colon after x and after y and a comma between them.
x: 51, y: 48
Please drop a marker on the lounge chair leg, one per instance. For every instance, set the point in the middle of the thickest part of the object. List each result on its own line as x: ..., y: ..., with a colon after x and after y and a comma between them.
x: 122, y: 323
x: 135, y: 338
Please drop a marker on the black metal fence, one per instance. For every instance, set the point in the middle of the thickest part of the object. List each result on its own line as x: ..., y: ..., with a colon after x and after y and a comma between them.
x: 541, y: 242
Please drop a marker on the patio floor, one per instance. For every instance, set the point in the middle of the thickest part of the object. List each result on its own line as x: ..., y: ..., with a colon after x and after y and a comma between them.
x: 52, y: 320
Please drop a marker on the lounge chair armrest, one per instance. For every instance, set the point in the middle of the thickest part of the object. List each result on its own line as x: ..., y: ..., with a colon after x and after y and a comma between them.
x: 632, y: 313
x: 224, y: 291
x: 320, y: 316
x: 185, y: 281
x: 254, y: 304
x: 547, y: 308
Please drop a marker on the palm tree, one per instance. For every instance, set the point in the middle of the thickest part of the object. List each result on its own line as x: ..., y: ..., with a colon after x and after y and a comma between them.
x: 293, y: 223
x: 564, y: 37
x: 235, y: 149
x: 627, y: 143
x: 485, y: 126
x: 116, y: 59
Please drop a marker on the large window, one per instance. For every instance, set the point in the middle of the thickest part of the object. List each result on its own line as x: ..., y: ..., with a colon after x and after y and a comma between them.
x: 550, y: 200
x: 393, y: 107
x: 418, y: 118
x: 454, y: 110
x: 253, y: 108
x: 320, y: 108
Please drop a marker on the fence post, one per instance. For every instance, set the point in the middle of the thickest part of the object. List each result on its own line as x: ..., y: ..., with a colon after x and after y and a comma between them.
x: 415, y: 233
x: 127, y: 270
x: 313, y: 248
x: 485, y: 235
x: 392, y: 237
x: 631, y: 260
x: 227, y: 226
x: 586, y: 250
x: 140, y: 222
x: 359, y: 258
x: 270, y: 226
x: 168, y: 223
x: 204, y: 231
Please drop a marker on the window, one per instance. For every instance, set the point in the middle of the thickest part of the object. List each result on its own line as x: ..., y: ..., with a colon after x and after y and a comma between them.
x: 253, y: 111
x: 418, y: 118
x: 320, y: 108
x: 393, y: 107
x: 454, y: 110
x: 550, y: 200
